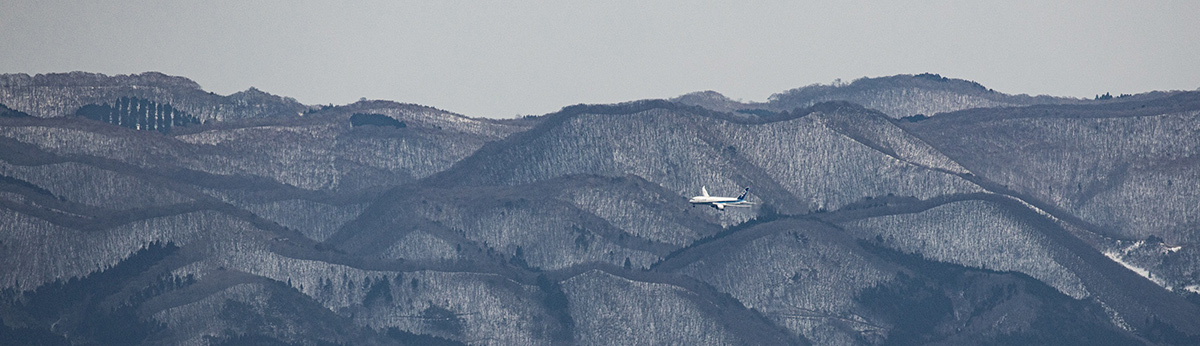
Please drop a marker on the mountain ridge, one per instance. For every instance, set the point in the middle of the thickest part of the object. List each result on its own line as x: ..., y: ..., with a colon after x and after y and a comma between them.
x: 73, y: 90
x: 573, y: 227
x: 899, y: 96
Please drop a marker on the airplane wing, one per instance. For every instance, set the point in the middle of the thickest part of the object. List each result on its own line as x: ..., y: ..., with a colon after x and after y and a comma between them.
x: 742, y: 204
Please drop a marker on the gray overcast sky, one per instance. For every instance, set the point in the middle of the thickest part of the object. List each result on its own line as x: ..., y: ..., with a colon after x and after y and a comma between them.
x: 503, y: 58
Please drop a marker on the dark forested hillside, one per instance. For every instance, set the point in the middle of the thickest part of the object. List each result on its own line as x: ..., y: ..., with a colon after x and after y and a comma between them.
x: 137, y: 114
x: 252, y: 219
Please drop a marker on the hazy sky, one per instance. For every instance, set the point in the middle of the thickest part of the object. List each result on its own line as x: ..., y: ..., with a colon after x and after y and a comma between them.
x: 503, y: 58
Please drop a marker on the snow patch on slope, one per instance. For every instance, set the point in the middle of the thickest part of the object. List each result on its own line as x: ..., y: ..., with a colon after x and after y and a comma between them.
x: 1117, y: 257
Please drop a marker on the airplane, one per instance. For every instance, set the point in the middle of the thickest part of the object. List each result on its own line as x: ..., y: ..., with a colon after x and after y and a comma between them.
x: 721, y: 202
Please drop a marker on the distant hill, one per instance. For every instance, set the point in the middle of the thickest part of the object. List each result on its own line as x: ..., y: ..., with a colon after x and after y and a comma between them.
x: 1068, y: 222
x: 897, y: 96
x: 61, y: 94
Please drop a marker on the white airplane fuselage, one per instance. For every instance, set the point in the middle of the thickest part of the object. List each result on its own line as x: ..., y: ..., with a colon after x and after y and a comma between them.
x: 720, y: 202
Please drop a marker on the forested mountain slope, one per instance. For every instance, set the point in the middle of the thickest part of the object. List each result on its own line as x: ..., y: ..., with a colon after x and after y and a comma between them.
x: 387, y: 223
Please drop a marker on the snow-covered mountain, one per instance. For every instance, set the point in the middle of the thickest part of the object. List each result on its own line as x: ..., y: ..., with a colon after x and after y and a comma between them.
x: 1000, y: 220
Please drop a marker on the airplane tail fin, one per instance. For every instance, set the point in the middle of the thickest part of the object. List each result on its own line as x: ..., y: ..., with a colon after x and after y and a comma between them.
x: 744, y: 193
x: 704, y: 191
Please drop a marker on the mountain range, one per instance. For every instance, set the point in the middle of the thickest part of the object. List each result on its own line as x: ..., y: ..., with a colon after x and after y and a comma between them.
x: 911, y: 209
